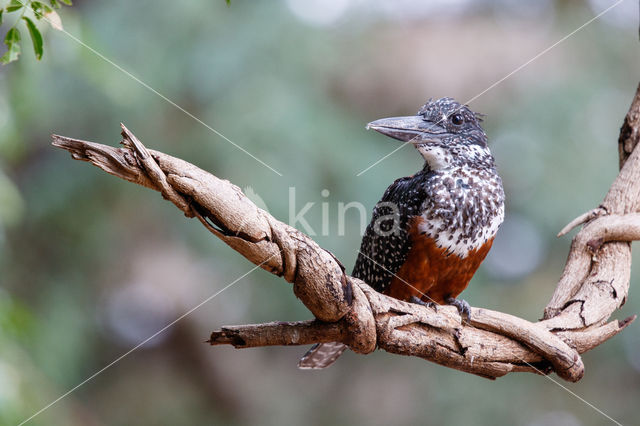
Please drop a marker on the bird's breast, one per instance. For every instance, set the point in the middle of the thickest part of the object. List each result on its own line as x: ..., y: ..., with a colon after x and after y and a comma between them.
x: 433, y: 273
x: 462, y: 211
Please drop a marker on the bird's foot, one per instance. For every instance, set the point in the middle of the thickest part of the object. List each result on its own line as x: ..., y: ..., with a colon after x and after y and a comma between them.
x: 419, y: 301
x: 463, y: 307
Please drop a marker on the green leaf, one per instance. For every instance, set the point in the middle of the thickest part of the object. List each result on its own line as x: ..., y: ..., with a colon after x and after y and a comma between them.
x: 1, y: 10
x: 55, y: 4
x: 228, y: 2
x: 40, y: 9
x: 13, y: 36
x: 12, y: 40
x: 15, y: 5
x: 36, y: 37
x: 67, y: 2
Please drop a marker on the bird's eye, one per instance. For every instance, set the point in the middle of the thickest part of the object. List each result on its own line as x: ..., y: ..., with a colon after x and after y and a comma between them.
x: 457, y: 119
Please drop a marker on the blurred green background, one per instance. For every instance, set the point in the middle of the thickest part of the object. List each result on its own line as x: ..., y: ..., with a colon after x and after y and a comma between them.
x: 90, y: 266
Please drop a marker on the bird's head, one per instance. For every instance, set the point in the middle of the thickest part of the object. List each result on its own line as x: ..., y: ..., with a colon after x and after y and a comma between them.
x: 446, y: 133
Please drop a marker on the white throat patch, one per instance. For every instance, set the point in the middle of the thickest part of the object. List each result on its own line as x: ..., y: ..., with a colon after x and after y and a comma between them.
x: 437, y: 157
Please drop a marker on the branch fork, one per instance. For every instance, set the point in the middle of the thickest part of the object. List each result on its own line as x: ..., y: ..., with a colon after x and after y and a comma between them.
x: 594, y: 283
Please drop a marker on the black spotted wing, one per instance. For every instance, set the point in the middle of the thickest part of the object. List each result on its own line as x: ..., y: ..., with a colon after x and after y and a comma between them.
x: 386, y: 240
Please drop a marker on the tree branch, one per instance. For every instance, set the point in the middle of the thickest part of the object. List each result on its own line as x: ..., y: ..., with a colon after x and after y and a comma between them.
x: 278, y: 334
x: 594, y: 283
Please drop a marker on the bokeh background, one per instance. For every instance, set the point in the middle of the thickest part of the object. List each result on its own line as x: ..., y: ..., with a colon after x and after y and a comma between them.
x: 90, y: 266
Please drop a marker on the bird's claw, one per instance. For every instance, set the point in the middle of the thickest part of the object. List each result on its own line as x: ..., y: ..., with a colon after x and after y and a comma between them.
x: 419, y: 301
x: 463, y: 307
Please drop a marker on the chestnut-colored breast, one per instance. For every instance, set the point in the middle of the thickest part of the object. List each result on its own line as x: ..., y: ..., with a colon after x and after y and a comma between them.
x: 431, y: 273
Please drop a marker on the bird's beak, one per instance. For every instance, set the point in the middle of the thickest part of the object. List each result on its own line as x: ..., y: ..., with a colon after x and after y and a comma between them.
x: 412, y: 129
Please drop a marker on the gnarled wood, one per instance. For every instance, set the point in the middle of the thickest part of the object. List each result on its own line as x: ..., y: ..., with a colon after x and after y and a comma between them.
x: 594, y: 283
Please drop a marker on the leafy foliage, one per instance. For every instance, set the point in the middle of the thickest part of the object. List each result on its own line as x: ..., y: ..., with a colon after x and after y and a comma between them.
x: 36, y: 37
x: 40, y: 11
x: 12, y: 40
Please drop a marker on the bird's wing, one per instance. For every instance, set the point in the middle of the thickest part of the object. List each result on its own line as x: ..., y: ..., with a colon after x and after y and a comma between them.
x: 383, y: 250
x: 386, y: 241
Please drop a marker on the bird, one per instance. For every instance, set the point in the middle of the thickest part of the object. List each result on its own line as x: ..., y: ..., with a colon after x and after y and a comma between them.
x: 430, y: 231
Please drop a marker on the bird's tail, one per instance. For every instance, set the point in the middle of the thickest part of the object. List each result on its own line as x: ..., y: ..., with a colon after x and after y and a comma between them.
x: 321, y: 355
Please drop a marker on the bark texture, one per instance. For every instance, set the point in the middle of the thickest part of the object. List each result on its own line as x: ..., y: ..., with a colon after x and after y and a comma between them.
x: 594, y: 283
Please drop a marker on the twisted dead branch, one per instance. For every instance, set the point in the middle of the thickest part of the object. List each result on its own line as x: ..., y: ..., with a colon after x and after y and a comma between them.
x: 594, y: 283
